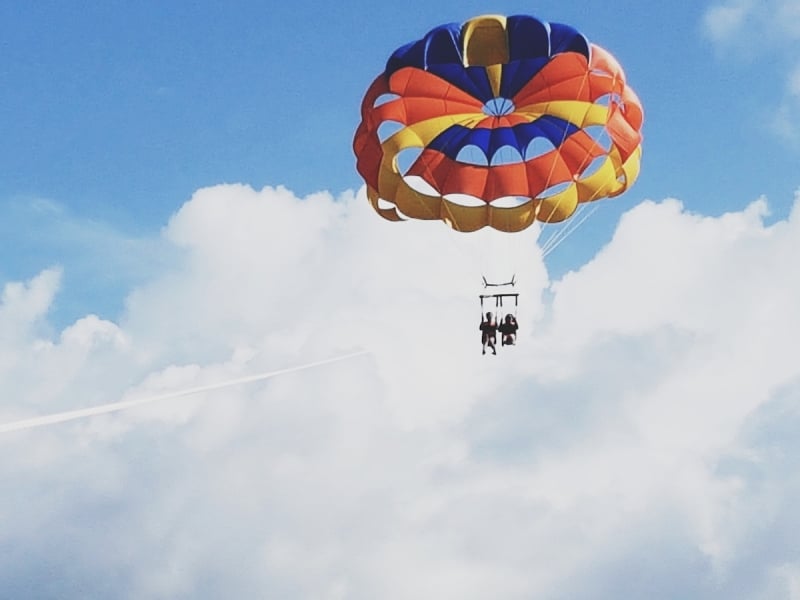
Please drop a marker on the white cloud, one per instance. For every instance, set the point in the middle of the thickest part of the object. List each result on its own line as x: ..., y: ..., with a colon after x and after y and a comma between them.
x: 746, y: 22
x: 24, y: 304
x: 638, y: 442
x: 723, y: 21
x: 767, y: 30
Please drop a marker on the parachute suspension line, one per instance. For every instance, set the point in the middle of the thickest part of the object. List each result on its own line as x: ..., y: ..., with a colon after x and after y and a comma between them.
x: 558, y: 236
x: 509, y: 254
x: 567, y: 232
x: 450, y: 221
x: 584, y: 81
x: 548, y: 242
x: 558, y: 231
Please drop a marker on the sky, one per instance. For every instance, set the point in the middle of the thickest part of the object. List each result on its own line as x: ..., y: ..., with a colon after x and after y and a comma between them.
x: 179, y: 206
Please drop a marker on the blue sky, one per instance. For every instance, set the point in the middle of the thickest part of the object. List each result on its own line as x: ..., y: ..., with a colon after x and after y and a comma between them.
x: 115, y: 114
x: 179, y: 208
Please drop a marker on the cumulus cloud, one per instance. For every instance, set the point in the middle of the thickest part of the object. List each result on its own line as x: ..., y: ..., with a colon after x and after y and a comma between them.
x: 97, y: 262
x: 638, y: 442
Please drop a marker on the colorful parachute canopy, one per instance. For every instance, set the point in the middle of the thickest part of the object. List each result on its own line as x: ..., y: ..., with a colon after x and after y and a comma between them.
x: 497, y: 122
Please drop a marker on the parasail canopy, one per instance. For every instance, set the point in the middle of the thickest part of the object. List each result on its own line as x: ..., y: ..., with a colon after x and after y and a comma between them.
x: 497, y: 122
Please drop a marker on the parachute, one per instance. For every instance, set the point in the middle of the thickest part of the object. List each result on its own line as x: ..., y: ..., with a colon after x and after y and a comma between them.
x: 498, y: 122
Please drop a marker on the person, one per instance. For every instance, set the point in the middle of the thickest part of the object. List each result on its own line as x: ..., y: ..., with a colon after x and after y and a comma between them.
x: 488, y: 329
x: 508, y: 329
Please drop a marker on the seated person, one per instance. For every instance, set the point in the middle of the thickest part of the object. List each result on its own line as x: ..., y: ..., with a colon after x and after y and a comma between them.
x: 488, y: 329
x: 508, y: 329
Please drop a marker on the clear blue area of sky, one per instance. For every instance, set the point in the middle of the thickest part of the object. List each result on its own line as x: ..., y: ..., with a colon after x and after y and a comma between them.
x: 117, y: 111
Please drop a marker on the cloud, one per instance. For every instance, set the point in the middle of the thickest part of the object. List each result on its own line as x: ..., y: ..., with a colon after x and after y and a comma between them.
x: 24, y: 304
x: 724, y: 21
x: 767, y: 31
x: 638, y: 442
x: 96, y: 261
x: 785, y: 122
x: 743, y: 21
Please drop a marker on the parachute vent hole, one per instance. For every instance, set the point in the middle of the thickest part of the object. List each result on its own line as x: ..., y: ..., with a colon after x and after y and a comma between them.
x: 418, y: 184
x: 593, y: 167
x: 384, y: 99
x: 612, y: 99
x: 472, y: 155
x: 497, y: 107
x: 385, y: 204
x: 537, y: 147
x: 506, y: 155
x: 555, y: 189
x: 600, y: 135
x: 387, y: 129
x: 465, y: 200
x: 406, y: 158
x: 510, y: 202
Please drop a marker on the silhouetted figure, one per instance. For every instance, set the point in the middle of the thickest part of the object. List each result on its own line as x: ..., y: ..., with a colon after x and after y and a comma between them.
x: 488, y: 329
x: 508, y: 330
